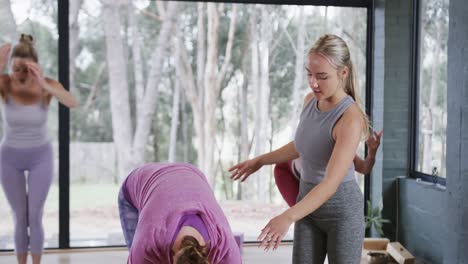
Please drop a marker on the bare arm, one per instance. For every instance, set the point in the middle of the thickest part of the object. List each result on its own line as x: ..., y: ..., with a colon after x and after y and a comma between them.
x: 283, y: 154
x: 244, y: 169
x: 52, y: 87
x: 4, y: 52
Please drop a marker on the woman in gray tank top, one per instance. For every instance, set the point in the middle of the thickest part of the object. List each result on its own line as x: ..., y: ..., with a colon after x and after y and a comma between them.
x: 329, y: 213
x: 25, y: 145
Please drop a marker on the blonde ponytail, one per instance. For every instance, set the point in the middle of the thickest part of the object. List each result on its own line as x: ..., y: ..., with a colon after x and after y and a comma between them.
x: 337, y: 52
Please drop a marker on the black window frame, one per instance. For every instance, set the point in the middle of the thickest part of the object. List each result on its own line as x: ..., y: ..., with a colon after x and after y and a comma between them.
x: 414, y: 101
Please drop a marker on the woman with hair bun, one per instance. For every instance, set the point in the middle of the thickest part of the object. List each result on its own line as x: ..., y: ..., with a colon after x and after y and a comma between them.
x: 169, y: 214
x: 26, y: 146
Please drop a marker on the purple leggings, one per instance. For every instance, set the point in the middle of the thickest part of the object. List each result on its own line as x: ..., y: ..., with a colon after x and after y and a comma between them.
x: 128, y: 217
x: 27, y: 202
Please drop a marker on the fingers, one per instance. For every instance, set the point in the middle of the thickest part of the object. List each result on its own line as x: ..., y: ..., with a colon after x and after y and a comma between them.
x: 33, y: 66
x: 379, y: 135
x: 235, y: 167
x: 241, y: 175
x: 267, y: 242
x: 269, y: 239
x: 264, y: 241
x: 241, y: 171
x: 264, y: 233
x: 238, y: 173
x: 246, y: 175
x: 277, y: 242
x: 272, y: 242
x: 374, y: 137
x: 34, y: 69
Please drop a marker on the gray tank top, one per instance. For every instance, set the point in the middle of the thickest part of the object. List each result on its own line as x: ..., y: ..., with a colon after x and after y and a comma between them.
x: 24, y: 125
x: 314, y: 140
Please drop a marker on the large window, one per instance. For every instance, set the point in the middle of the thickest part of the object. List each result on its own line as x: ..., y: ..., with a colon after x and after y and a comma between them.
x: 223, y: 85
x: 205, y: 83
x: 39, y: 19
x: 432, y: 115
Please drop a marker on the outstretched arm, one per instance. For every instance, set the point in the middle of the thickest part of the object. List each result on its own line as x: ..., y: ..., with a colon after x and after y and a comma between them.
x: 244, y: 169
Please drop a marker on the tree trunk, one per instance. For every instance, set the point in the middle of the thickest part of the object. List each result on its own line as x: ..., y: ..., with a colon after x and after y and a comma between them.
x: 118, y: 82
x: 150, y: 98
x: 198, y: 95
x: 175, y: 112
x: 263, y: 121
x: 8, y: 33
x: 210, y: 98
x: 203, y: 92
x: 137, y: 60
x: 74, y: 30
x: 185, y: 137
x: 428, y: 124
x: 299, y: 73
x: 244, y: 133
x: 250, y: 193
x: 131, y: 149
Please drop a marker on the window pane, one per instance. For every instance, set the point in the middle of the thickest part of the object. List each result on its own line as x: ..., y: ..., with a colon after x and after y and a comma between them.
x: 37, y: 18
x: 224, y: 114
x: 433, y: 87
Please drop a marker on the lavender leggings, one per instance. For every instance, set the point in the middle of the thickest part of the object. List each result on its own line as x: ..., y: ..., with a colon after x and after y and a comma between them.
x: 27, y: 201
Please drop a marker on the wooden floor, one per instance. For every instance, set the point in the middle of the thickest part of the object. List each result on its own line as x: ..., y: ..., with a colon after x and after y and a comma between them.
x: 251, y: 255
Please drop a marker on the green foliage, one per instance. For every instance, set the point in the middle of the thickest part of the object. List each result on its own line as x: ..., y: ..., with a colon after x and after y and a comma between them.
x: 374, y: 219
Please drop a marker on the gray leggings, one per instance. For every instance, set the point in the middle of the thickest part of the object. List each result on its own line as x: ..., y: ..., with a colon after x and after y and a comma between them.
x: 336, y: 228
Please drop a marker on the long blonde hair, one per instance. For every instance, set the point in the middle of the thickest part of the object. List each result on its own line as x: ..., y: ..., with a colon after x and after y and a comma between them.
x: 337, y: 52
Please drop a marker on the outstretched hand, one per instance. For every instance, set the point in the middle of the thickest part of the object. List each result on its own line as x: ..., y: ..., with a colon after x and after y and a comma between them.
x: 4, y: 53
x: 244, y: 169
x: 373, y: 142
x: 274, y: 232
